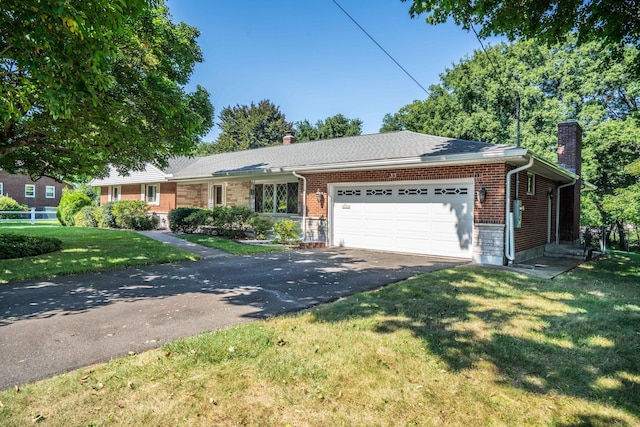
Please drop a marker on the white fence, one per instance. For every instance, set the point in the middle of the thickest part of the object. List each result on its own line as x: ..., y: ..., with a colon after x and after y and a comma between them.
x: 31, y: 215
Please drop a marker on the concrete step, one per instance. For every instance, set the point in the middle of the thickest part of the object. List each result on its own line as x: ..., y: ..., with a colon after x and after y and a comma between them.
x: 565, y: 251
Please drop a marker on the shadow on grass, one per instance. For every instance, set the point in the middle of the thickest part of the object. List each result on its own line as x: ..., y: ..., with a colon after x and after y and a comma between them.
x: 577, y: 336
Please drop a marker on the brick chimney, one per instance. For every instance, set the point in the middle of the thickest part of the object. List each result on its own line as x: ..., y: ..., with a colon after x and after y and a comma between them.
x: 570, y: 157
x: 570, y: 146
x: 288, y: 138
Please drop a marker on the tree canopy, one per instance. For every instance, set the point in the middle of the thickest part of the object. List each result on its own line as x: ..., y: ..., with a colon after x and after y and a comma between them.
x: 87, y: 84
x: 251, y: 126
x: 336, y: 126
x: 612, y: 22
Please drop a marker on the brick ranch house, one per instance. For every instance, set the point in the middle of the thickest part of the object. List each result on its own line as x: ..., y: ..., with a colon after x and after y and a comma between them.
x: 43, y: 194
x: 399, y: 191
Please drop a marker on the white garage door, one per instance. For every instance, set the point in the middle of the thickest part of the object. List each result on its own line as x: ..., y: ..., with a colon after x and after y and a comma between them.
x: 433, y: 219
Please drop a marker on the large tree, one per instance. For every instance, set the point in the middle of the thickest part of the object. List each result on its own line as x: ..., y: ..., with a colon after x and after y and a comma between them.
x: 87, y: 84
x: 251, y: 126
x: 612, y: 22
x: 336, y: 126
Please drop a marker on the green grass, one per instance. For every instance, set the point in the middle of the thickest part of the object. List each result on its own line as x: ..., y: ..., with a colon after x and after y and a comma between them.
x: 86, y: 250
x: 460, y: 347
x: 230, y: 246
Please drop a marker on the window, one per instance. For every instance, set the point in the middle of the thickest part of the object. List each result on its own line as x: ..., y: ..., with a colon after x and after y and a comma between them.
x: 115, y: 194
x: 277, y: 198
x: 29, y: 190
x: 50, y: 192
x: 1, y: 189
x: 531, y: 183
x: 153, y: 195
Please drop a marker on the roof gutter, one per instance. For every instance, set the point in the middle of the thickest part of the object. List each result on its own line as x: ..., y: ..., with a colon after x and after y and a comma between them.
x: 509, y: 238
x: 409, y: 162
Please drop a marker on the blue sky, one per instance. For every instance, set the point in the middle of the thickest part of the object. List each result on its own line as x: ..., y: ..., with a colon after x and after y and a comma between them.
x: 309, y: 59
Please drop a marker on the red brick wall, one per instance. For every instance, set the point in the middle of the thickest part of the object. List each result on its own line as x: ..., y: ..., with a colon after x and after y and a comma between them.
x: 533, y: 232
x: 130, y: 192
x: 133, y: 192
x: 489, y: 176
x: 13, y: 186
x: 104, y: 195
x: 168, y: 191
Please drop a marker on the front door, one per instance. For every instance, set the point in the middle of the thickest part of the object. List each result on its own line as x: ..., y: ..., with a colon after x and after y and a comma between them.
x: 215, y: 196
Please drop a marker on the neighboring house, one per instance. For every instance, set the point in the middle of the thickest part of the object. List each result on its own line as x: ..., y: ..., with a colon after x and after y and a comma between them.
x: 43, y: 194
x: 399, y: 191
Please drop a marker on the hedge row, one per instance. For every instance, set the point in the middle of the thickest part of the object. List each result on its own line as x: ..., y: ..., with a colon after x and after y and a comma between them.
x: 19, y: 246
x: 129, y: 214
x: 9, y: 204
x: 232, y: 223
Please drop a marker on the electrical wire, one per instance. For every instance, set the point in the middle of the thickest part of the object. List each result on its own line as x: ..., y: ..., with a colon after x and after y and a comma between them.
x: 381, y: 48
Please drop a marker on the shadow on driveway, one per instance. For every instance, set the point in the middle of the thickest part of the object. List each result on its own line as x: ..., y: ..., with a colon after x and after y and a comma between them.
x: 55, y: 325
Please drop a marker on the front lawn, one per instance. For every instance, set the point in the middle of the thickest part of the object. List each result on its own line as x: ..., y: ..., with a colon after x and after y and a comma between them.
x: 85, y: 250
x: 230, y: 246
x: 460, y: 347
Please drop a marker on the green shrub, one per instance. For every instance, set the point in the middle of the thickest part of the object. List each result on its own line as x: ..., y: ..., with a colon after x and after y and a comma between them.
x: 19, y: 246
x: 177, y: 218
x: 261, y: 226
x: 145, y: 222
x: 105, y: 217
x: 71, y: 203
x: 9, y: 204
x: 232, y: 222
x: 198, y: 219
x: 87, y: 217
x: 124, y: 210
x: 286, y: 231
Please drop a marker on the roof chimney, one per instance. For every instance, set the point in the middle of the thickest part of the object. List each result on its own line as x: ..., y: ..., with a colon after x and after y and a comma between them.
x: 570, y: 157
x: 570, y: 146
x: 289, y: 138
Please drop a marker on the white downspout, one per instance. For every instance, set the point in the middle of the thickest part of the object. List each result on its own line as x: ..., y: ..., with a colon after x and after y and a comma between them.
x: 509, y: 238
x: 558, y: 210
x: 549, y: 213
x: 304, y: 204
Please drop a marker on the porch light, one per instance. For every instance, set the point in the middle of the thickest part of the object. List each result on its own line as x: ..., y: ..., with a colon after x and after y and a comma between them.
x: 482, y: 194
x: 550, y: 193
x: 319, y: 196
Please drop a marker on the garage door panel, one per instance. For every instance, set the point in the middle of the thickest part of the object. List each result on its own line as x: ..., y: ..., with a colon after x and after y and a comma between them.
x: 419, y: 218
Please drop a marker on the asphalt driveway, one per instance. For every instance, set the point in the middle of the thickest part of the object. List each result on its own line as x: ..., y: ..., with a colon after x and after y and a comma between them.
x: 56, y: 325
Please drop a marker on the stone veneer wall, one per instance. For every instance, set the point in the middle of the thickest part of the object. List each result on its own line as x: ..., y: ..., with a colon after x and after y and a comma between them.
x: 196, y: 195
x: 316, y: 230
x: 488, y: 244
x: 238, y: 193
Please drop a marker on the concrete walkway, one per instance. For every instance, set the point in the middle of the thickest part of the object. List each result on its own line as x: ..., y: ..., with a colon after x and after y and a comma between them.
x: 165, y: 236
x: 546, y: 267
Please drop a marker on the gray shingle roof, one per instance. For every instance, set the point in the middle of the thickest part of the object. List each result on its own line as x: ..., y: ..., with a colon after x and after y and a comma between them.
x: 363, y: 148
x: 179, y: 163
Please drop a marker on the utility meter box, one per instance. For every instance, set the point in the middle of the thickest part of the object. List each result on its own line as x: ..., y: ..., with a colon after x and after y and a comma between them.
x: 517, y: 213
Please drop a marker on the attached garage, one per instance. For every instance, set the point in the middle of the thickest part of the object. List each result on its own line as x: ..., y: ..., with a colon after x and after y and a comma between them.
x: 426, y: 217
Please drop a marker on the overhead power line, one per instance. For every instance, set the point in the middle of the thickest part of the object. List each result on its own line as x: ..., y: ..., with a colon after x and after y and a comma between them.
x: 381, y: 48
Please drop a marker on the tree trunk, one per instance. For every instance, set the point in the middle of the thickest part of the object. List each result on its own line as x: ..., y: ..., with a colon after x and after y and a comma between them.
x: 623, y: 237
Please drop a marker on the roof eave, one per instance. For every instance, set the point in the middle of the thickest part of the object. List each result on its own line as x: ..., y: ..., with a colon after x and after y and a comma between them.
x: 453, y: 160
